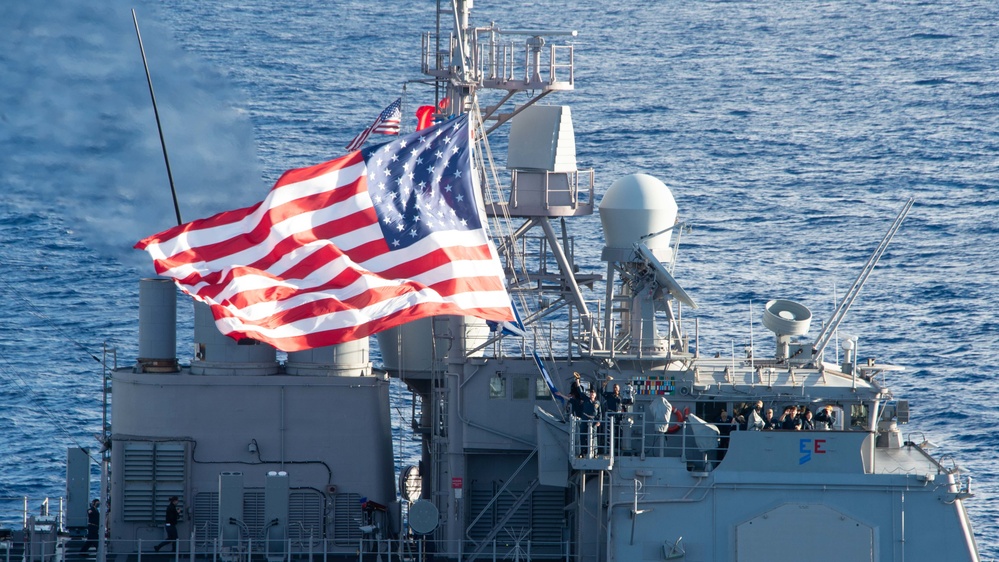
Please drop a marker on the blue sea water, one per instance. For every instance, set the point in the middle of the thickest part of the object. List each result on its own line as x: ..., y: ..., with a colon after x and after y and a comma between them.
x: 789, y: 132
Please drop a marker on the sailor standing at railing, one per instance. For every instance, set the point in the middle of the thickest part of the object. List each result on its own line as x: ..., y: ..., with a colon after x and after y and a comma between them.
x: 590, y: 418
x: 613, y: 408
x: 613, y: 402
x: 575, y: 407
x: 659, y: 412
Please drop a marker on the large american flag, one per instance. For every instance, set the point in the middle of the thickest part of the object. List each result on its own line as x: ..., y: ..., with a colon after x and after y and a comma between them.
x: 347, y: 248
x: 387, y: 123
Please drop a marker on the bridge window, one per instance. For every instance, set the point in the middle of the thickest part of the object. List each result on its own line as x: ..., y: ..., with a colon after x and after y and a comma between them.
x: 521, y: 387
x: 858, y: 416
x: 497, y: 387
x: 541, y: 391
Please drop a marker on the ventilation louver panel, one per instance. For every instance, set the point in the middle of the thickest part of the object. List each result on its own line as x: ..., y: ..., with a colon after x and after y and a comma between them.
x: 206, y: 517
x: 152, y: 473
x: 346, y: 519
x: 305, y: 512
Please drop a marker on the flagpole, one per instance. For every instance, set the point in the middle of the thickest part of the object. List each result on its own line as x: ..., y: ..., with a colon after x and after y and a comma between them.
x: 159, y: 127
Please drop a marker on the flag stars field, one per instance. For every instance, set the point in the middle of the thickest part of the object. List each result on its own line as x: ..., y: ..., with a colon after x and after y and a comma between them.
x: 379, y: 248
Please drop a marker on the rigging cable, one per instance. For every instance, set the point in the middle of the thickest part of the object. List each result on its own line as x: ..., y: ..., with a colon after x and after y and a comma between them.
x: 515, y: 260
x: 9, y: 372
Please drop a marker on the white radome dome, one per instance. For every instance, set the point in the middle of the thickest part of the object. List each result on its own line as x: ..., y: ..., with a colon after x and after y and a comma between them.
x: 634, y: 206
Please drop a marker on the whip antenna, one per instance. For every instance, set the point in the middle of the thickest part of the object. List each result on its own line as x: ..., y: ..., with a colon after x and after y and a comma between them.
x: 159, y: 127
x: 822, y: 340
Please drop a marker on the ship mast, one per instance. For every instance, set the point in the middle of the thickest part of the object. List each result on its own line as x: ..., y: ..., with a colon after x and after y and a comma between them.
x: 463, y: 60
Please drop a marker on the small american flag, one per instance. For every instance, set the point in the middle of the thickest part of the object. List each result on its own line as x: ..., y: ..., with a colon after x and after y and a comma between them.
x: 387, y: 123
x: 347, y: 248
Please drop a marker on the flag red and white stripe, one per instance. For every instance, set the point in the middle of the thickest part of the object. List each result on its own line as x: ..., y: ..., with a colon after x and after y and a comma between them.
x: 334, y: 254
x: 388, y: 122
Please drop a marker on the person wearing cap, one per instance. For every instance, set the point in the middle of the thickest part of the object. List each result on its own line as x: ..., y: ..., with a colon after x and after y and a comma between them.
x: 172, y: 517
x: 93, y: 524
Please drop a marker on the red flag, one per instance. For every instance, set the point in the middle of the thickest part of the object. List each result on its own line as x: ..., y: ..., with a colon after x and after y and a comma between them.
x: 347, y: 248
x: 424, y: 117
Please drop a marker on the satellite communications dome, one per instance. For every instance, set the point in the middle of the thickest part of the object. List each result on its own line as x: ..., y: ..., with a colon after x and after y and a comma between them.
x: 634, y: 206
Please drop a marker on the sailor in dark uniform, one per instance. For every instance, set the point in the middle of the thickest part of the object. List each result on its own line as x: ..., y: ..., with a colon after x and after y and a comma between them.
x: 589, y: 418
x: 806, y: 421
x: 93, y: 525
x: 172, y: 517
x: 613, y: 401
x: 613, y: 408
x: 824, y: 417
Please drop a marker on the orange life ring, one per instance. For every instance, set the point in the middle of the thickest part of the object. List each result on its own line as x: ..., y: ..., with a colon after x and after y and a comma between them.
x: 680, y: 416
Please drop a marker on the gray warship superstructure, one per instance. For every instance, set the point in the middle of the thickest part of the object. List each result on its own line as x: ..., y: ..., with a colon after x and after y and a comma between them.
x: 510, y: 474
x: 236, y: 427
x: 287, y: 457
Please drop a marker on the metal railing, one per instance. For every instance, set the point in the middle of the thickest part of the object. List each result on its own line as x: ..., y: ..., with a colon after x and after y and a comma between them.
x: 28, y: 507
x: 528, y: 63
x: 631, y: 434
x: 513, y: 544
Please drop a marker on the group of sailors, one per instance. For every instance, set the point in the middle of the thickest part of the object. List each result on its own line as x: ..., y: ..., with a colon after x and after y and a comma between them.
x: 794, y: 418
x: 585, y: 405
x: 593, y: 408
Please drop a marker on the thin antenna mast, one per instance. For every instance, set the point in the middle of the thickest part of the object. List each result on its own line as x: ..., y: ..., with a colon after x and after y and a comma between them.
x: 159, y: 127
x: 752, y: 351
x: 822, y: 340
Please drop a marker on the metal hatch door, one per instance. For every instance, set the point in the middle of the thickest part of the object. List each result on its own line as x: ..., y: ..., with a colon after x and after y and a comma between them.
x: 804, y: 528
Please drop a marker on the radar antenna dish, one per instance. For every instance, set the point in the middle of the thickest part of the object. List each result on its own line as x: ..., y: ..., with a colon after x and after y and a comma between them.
x: 663, y: 277
x: 423, y: 517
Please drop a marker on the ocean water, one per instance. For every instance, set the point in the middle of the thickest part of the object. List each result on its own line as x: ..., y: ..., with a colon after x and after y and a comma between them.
x: 789, y: 132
